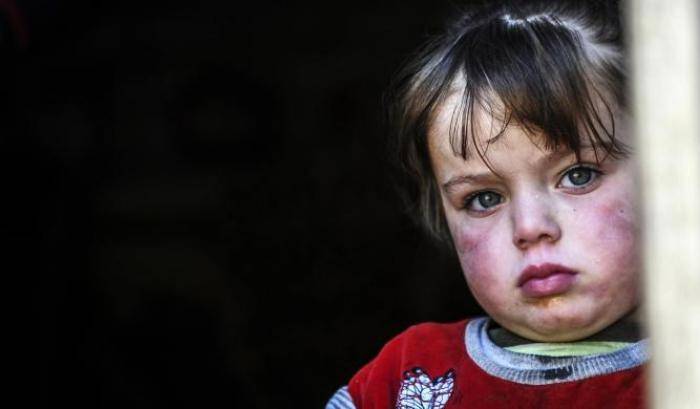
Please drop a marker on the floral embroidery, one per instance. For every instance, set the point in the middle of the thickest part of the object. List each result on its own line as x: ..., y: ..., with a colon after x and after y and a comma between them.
x: 418, y: 391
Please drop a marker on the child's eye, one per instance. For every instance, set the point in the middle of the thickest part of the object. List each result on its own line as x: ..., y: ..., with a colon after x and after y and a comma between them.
x: 482, y: 201
x: 579, y: 177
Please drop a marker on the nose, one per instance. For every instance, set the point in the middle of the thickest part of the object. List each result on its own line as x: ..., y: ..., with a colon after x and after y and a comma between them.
x: 534, y: 220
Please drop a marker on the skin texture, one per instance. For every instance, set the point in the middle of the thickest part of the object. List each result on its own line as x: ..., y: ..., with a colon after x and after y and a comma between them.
x: 541, y: 217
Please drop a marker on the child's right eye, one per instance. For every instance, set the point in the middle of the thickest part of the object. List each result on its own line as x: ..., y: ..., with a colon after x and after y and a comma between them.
x: 481, y: 202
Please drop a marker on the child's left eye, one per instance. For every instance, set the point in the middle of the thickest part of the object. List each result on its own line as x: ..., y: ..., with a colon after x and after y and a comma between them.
x: 579, y: 177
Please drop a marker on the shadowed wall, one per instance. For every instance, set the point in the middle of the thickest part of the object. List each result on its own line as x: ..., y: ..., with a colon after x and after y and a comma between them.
x: 218, y: 224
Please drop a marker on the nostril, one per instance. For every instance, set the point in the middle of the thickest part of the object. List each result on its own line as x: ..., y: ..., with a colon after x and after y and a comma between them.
x: 547, y: 232
x: 534, y: 220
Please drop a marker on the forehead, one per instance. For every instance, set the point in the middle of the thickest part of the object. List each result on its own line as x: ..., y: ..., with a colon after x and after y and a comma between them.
x: 488, y: 132
x: 483, y: 130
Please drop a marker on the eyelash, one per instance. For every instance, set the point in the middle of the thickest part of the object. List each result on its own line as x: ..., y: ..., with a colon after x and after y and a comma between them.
x: 595, y: 175
x: 469, y: 200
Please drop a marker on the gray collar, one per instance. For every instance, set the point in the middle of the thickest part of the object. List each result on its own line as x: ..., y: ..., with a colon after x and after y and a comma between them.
x: 543, y: 370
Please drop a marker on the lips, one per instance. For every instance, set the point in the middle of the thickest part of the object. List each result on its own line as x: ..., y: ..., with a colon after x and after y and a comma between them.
x: 546, y: 280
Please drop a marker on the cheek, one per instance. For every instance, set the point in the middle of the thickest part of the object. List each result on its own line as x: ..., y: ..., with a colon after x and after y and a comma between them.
x: 616, y: 225
x: 619, y: 213
x: 479, y: 251
x: 610, y: 239
x: 474, y: 245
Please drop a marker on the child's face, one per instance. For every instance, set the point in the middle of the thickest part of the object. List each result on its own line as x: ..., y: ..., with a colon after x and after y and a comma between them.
x: 550, y: 248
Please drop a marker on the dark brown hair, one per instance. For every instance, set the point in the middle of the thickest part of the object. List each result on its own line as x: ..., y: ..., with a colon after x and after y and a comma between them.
x: 553, y: 68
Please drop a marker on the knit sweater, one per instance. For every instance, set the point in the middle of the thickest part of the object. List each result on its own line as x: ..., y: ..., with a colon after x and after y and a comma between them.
x: 435, y: 366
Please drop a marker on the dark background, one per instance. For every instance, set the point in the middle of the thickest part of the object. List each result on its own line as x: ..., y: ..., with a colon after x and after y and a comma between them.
x: 217, y: 221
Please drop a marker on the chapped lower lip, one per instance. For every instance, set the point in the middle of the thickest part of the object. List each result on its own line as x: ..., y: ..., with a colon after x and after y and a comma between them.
x: 546, y: 280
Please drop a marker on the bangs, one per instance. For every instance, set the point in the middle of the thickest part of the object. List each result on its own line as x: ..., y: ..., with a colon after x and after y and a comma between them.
x: 538, y: 73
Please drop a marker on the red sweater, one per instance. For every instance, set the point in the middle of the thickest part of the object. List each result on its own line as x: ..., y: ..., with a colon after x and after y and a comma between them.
x: 429, y: 366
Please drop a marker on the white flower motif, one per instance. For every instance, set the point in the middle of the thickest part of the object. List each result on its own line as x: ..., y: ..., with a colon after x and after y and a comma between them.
x: 418, y: 391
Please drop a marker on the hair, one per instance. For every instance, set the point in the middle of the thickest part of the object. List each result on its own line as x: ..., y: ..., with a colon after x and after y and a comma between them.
x: 555, y: 69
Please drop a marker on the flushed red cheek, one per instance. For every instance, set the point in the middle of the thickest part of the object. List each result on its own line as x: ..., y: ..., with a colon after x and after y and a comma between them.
x: 473, y: 240
x: 613, y: 232
x: 472, y: 244
x: 477, y: 255
x: 617, y: 228
x: 467, y: 241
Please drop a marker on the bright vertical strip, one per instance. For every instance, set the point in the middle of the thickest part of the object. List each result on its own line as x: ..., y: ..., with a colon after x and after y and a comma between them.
x: 664, y: 38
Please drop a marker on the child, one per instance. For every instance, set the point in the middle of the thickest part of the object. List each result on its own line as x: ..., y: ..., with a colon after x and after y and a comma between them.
x: 513, y: 129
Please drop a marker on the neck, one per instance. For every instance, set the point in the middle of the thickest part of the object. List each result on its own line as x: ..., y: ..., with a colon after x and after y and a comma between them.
x: 627, y: 329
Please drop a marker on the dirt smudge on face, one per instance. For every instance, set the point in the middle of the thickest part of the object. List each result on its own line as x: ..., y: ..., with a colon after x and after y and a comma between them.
x: 547, y: 302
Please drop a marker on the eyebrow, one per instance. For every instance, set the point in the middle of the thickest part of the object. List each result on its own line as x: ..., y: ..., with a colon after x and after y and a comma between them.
x: 553, y: 156
x: 449, y: 186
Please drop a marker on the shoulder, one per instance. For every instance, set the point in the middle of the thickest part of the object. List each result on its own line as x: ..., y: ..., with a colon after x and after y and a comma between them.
x: 429, y: 351
x: 423, y: 339
x: 434, y: 329
x: 426, y: 337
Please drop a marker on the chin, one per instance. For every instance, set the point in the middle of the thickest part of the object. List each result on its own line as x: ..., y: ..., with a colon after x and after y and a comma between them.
x: 559, y: 328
